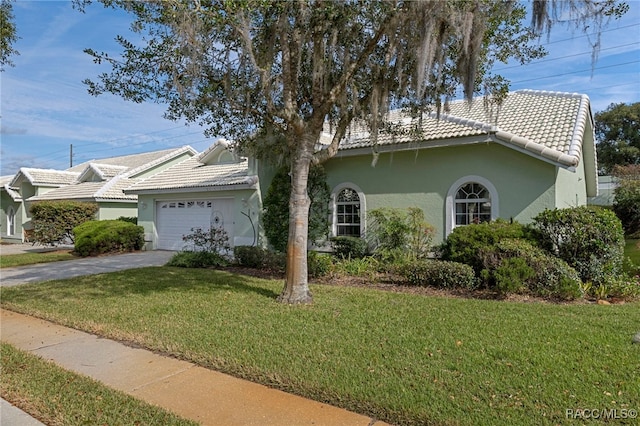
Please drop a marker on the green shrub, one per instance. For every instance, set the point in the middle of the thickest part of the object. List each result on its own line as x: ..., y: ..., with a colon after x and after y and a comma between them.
x: 349, y: 247
x: 319, y: 264
x: 249, y: 256
x: 53, y: 221
x: 197, y: 259
x: 366, y: 267
x: 257, y: 257
x: 438, y: 273
x: 590, y: 240
x: 399, y: 235
x: 465, y: 242
x: 107, y: 236
x: 518, y: 266
x: 624, y: 287
x: 130, y: 219
x: 275, y: 217
x: 512, y: 275
x: 275, y: 261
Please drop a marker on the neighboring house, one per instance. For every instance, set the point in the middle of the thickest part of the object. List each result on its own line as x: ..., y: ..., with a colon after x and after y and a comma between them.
x: 99, y: 181
x: 606, y: 192
x: 15, y: 221
x: 471, y: 164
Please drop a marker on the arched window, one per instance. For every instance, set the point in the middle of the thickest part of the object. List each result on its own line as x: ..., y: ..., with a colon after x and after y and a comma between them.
x: 471, y: 199
x: 348, y: 211
x: 11, y: 221
x: 473, y: 204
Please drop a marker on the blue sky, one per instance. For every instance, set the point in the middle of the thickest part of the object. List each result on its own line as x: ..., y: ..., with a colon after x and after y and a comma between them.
x: 45, y: 108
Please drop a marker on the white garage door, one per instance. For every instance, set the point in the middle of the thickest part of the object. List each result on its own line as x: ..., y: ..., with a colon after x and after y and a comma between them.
x: 174, y: 219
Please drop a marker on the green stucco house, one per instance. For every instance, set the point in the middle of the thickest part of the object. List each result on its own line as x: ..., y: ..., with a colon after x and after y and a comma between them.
x: 471, y: 163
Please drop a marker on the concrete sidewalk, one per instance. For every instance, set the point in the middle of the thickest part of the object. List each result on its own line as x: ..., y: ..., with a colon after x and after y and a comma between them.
x: 193, y: 392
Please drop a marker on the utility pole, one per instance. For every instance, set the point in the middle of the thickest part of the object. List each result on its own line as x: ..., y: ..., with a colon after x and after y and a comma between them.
x: 70, y: 155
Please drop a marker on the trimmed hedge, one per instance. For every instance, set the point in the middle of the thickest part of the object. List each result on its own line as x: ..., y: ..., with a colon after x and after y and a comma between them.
x: 107, y: 236
x: 590, y: 240
x: 349, y: 247
x: 438, y: 273
x: 258, y: 257
x: 465, y: 242
x: 516, y: 266
x: 54, y: 221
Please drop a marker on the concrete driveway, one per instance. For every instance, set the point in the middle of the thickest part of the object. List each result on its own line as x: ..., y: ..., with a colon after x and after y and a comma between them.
x: 81, y: 266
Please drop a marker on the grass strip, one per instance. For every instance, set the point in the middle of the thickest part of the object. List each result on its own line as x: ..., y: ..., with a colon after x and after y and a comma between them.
x: 402, y: 358
x: 23, y: 259
x: 58, y: 397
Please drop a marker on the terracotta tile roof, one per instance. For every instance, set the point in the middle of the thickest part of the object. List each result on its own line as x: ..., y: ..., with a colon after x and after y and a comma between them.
x: 191, y: 173
x: 548, y: 124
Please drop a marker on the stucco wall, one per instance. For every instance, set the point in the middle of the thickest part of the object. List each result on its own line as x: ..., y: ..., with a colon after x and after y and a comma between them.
x: 525, y: 185
x: 245, y: 202
x: 112, y: 211
x: 571, y: 190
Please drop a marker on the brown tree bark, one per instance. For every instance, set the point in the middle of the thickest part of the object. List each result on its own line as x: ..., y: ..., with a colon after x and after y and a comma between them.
x: 296, y: 288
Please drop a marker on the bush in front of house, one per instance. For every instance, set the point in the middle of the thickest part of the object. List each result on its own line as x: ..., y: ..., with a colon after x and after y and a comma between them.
x: 54, y: 221
x: 260, y: 258
x: 198, y: 259
x: 349, y: 247
x: 517, y: 266
x: 130, y: 219
x: 249, y: 256
x: 319, y: 264
x: 107, y: 236
x: 590, y: 240
x: 438, y: 273
x: 465, y: 243
x: 399, y: 235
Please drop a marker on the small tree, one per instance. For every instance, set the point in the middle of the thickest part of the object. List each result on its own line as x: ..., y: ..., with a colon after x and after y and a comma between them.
x: 53, y: 221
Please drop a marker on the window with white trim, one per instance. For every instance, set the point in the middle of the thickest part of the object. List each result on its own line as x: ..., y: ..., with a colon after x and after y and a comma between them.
x: 348, y: 213
x: 11, y: 221
x: 472, y: 204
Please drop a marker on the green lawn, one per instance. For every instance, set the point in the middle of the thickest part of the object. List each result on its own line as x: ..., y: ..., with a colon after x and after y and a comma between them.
x: 23, y: 259
x: 59, y: 397
x: 402, y: 358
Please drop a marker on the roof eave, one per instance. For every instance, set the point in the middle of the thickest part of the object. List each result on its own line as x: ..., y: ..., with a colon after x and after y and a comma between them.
x: 251, y: 183
x: 412, y: 146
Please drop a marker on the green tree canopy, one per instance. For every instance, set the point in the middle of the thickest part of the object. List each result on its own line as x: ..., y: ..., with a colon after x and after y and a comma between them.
x: 281, y: 70
x: 8, y: 34
x: 618, y: 135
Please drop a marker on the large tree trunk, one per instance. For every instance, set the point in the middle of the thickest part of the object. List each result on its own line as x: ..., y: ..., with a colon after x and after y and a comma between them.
x: 296, y: 288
